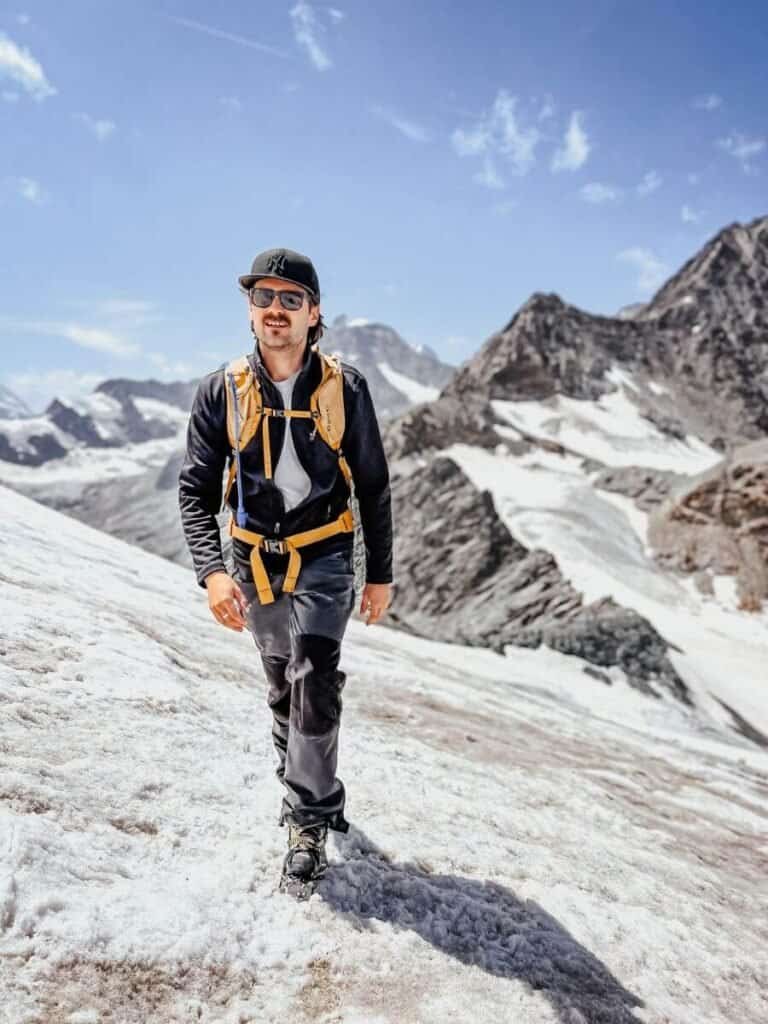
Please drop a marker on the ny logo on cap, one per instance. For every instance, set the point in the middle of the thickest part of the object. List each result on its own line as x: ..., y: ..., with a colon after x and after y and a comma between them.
x: 277, y: 264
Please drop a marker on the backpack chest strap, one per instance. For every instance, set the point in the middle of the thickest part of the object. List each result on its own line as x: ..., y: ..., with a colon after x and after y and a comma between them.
x: 266, y: 413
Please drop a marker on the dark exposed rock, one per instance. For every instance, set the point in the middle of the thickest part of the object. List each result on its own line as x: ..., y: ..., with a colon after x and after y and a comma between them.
x: 607, y: 634
x: 648, y: 487
x: 135, y: 428
x: 462, y: 575
x: 718, y: 521
x: 178, y: 393
x: 81, y: 428
x: 44, y: 447
x: 436, y: 425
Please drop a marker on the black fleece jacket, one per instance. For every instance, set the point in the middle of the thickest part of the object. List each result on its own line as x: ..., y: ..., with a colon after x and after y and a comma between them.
x: 208, y: 453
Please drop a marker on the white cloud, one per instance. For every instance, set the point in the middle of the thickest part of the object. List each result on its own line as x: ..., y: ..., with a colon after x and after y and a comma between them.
x: 231, y: 103
x: 172, y: 368
x: 575, y: 149
x: 21, y: 67
x: 652, y: 272
x: 595, y: 192
x: 10, y: 96
x: 693, y: 178
x: 23, y: 19
x: 121, y: 314
x: 499, y: 132
x: 547, y: 109
x: 489, y: 176
x: 651, y: 181
x: 306, y: 29
x: 472, y: 141
x: 30, y: 190
x: 742, y: 148
x: 86, y: 337
x: 689, y: 215
x: 410, y: 129
x: 336, y: 14
x: 38, y: 388
x: 231, y: 37
x: 710, y: 102
x: 102, y: 129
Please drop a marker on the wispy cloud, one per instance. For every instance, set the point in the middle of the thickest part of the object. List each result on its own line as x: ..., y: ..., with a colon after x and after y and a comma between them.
x: 694, y: 178
x: 29, y: 189
x: 500, y: 133
x: 742, y: 148
x: 10, y: 95
x: 23, y: 19
x: 651, y: 181
x: 652, y: 271
x: 231, y: 103
x: 230, y: 37
x: 595, y: 192
x: 689, y: 215
x: 101, y: 128
x: 119, y: 315
x: 336, y: 14
x: 86, y: 337
x: 306, y: 31
x: 489, y: 176
x: 547, y: 109
x: 172, y: 368
x: 710, y: 102
x: 575, y: 148
x: 410, y: 129
x: 20, y: 66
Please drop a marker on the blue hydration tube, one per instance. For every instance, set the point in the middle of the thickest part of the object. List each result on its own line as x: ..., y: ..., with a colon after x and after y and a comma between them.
x: 240, y: 515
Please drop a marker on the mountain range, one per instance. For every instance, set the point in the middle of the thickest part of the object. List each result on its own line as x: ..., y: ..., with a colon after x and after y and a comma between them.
x: 591, y: 484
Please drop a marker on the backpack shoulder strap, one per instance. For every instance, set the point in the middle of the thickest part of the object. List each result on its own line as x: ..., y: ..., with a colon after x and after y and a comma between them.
x: 244, y: 402
x: 327, y: 406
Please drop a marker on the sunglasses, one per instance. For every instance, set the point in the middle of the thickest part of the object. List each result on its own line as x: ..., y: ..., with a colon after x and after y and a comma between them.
x: 263, y: 297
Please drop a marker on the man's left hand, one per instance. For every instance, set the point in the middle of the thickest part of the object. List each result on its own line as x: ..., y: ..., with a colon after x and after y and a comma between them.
x: 376, y: 600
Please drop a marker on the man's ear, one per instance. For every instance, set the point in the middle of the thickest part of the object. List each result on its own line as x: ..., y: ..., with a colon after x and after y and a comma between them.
x: 314, y: 315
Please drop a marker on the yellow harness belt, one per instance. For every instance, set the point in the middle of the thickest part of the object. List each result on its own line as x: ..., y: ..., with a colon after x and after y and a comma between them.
x: 288, y: 545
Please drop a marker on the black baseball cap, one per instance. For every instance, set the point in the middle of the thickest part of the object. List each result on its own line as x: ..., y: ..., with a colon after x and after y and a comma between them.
x: 285, y: 264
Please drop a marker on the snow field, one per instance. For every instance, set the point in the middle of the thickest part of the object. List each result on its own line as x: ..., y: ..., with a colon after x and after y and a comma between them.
x: 518, y: 845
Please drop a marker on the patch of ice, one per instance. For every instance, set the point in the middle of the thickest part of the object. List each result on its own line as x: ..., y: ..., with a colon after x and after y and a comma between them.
x: 610, y: 430
x: 412, y: 389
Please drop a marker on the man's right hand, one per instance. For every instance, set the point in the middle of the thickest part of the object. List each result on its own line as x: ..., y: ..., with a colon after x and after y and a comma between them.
x: 226, y: 600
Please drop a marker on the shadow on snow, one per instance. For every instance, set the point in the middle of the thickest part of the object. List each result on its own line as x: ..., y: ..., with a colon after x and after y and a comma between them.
x: 481, y: 924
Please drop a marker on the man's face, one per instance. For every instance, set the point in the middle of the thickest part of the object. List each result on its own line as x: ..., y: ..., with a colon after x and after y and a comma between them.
x: 281, y: 329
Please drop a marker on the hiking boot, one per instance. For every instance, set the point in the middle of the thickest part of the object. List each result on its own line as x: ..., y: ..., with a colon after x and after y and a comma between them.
x: 306, y: 851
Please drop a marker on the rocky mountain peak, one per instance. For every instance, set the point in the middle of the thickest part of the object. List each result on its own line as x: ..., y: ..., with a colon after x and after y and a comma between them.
x: 726, y: 280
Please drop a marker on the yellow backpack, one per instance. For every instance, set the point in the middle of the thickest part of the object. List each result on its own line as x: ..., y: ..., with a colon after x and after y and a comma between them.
x: 246, y: 412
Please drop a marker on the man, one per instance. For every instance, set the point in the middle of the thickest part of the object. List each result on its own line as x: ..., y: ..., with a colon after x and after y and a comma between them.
x: 293, y: 584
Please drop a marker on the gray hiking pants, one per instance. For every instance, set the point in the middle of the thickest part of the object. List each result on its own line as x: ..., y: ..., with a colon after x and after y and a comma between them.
x: 299, y: 638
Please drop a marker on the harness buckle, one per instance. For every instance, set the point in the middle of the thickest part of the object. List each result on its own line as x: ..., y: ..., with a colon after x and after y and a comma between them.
x: 274, y: 547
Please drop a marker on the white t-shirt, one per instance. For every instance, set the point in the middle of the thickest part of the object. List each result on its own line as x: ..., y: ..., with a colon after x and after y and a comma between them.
x: 289, y: 474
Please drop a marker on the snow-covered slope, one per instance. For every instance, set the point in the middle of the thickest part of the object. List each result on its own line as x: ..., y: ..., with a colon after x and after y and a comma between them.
x: 599, y: 541
x: 397, y: 373
x: 524, y: 847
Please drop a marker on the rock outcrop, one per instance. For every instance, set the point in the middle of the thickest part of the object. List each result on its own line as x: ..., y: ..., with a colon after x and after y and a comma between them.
x: 718, y: 523
x: 462, y: 575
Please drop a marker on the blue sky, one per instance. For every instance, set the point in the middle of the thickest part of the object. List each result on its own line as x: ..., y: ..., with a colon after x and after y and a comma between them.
x: 438, y: 162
